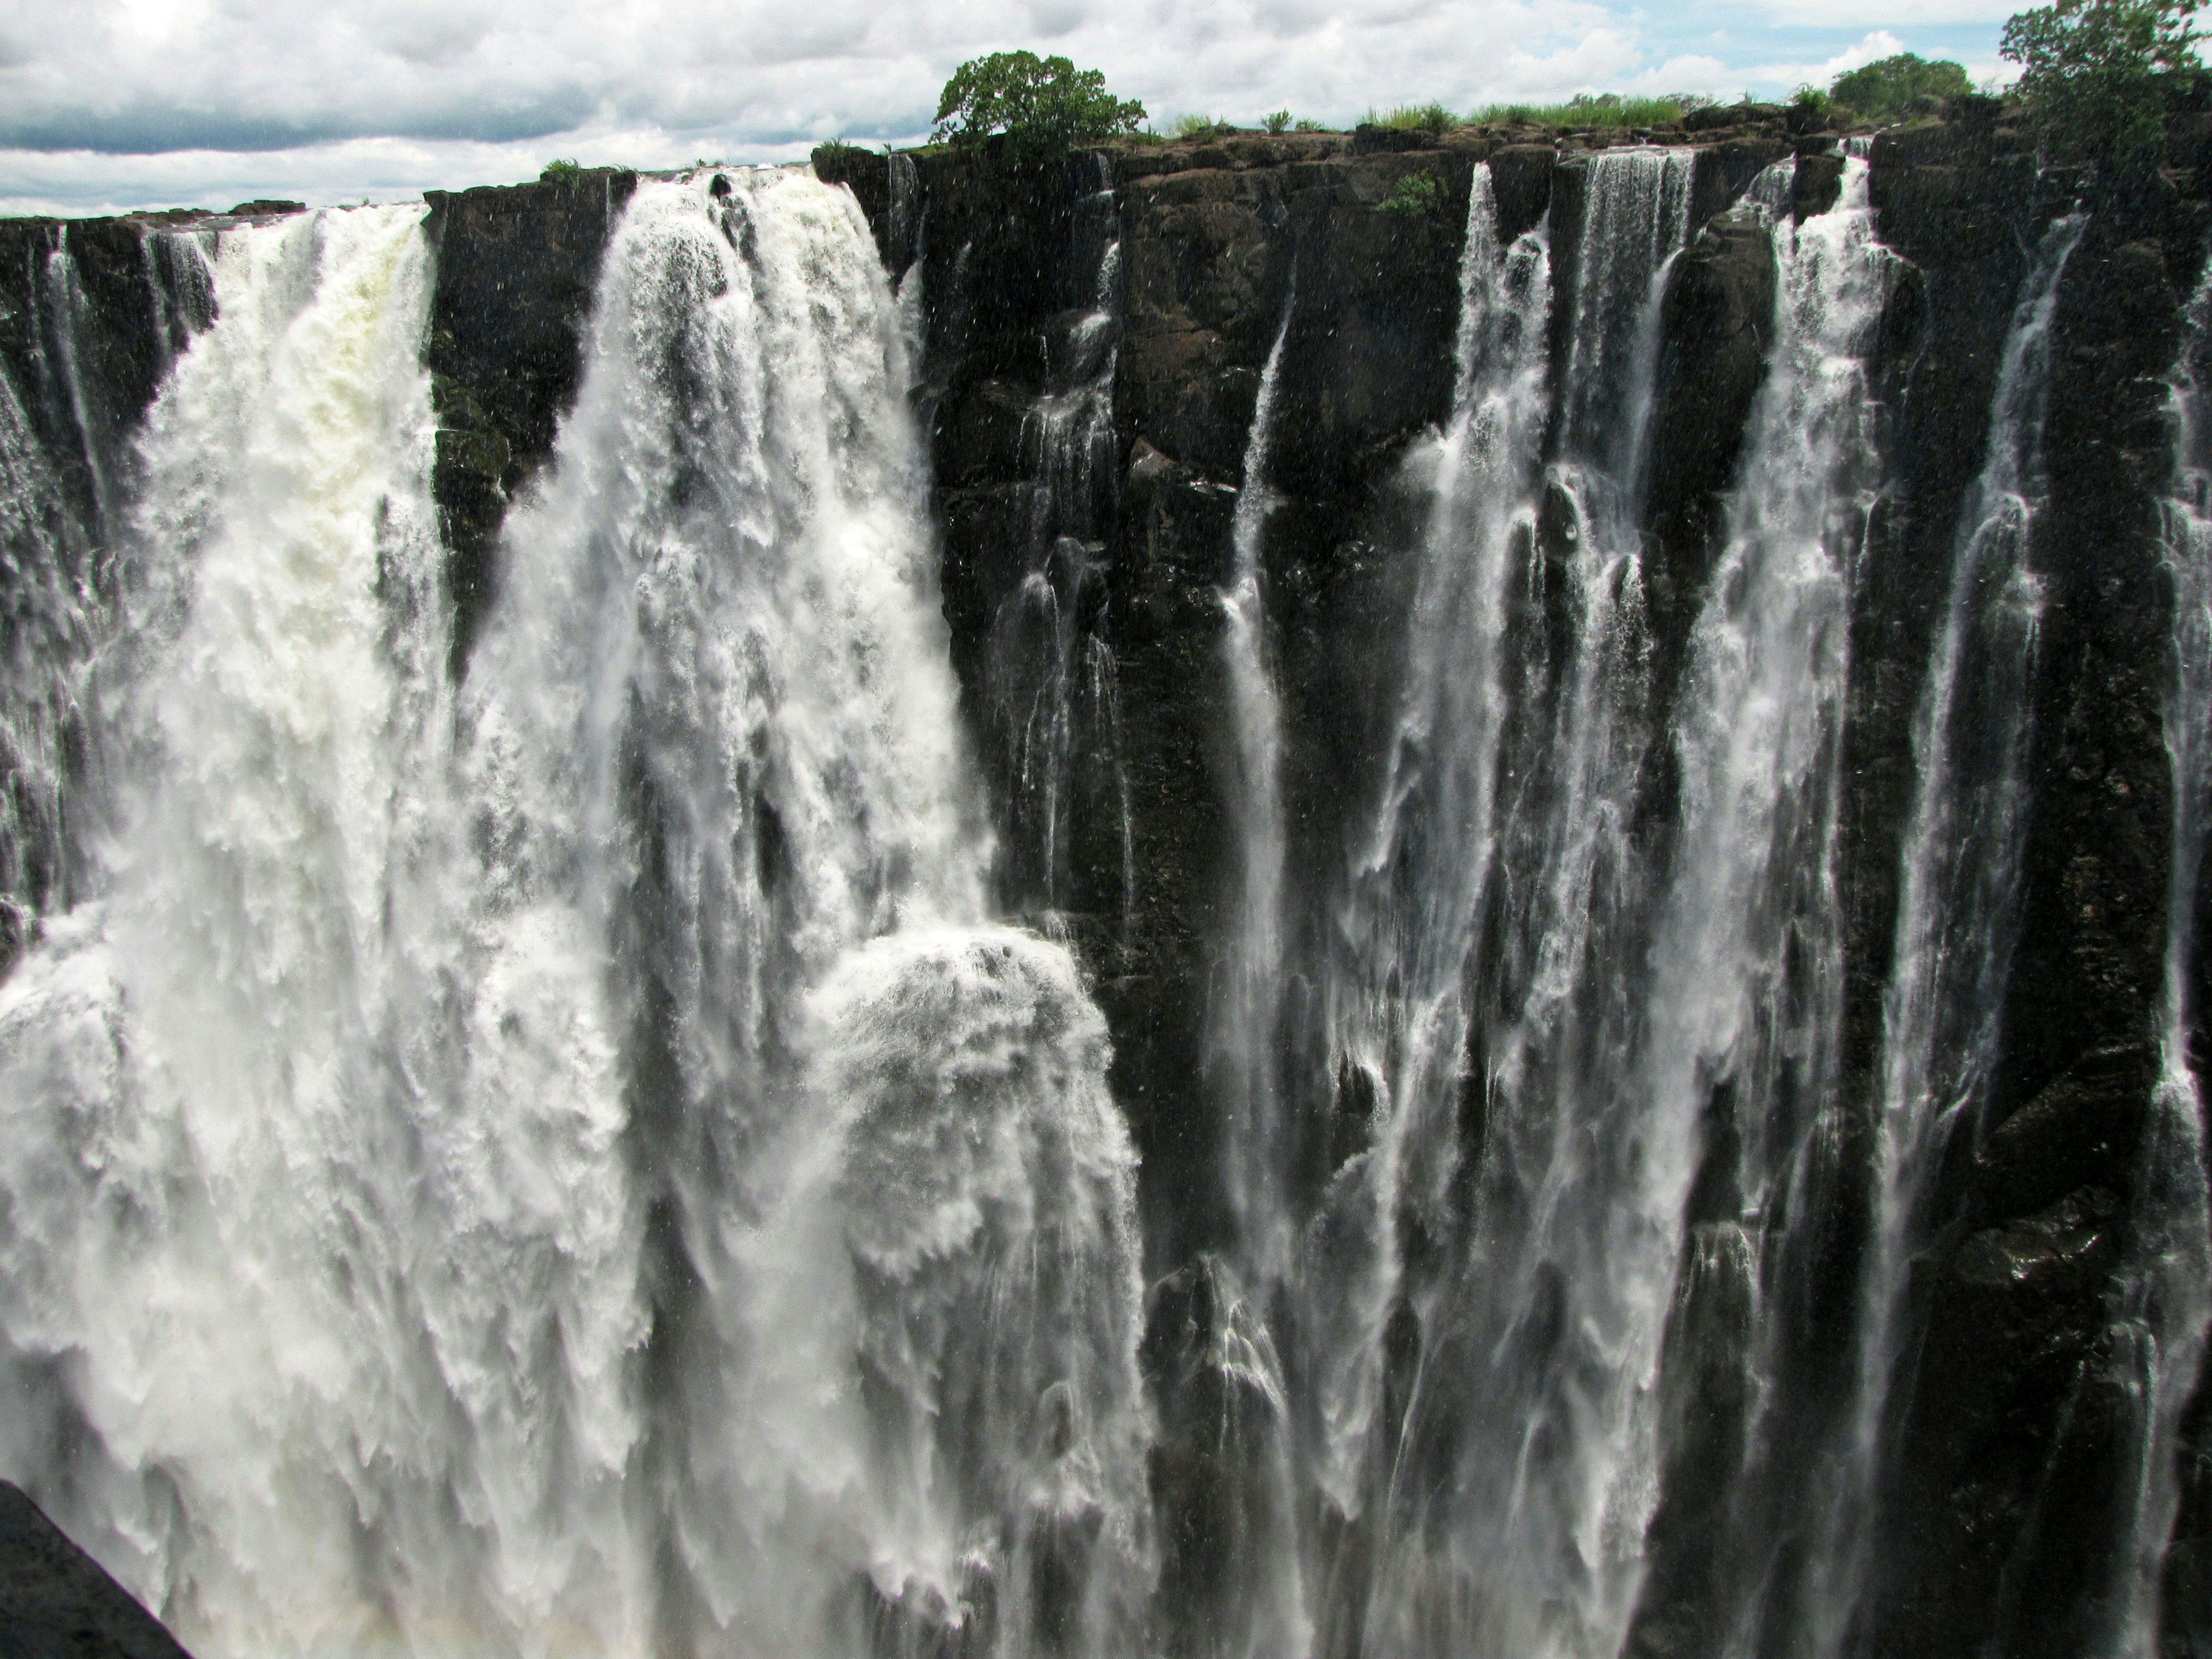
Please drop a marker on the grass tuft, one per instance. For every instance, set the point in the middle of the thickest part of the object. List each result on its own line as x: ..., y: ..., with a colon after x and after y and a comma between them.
x: 1413, y: 117
x: 1605, y: 109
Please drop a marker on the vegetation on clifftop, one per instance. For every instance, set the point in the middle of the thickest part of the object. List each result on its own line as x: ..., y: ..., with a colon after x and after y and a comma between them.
x: 1042, y: 108
x: 1886, y: 89
x: 2095, y: 74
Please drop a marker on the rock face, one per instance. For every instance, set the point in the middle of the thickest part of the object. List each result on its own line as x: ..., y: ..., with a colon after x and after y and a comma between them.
x: 2010, y: 1416
x: 517, y: 268
x: 56, y: 1603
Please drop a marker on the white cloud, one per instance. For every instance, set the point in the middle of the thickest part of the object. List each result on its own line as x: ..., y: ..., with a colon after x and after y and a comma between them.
x: 1922, y: 13
x: 1872, y: 49
x: 142, y: 102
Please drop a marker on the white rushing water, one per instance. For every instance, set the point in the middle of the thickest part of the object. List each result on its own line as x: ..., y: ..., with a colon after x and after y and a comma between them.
x: 1249, y: 997
x: 1499, y: 892
x: 60, y: 466
x: 1265, y: 1615
x: 1479, y: 475
x: 1559, y: 1029
x: 1747, y: 967
x: 1053, y: 679
x: 570, y: 1157
x: 562, y: 1164
x: 2166, y: 1291
x: 1959, y: 869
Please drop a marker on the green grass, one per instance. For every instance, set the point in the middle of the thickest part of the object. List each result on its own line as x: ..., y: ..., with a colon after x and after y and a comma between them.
x: 561, y: 172
x: 1604, y: 110
x: 1413, y: 117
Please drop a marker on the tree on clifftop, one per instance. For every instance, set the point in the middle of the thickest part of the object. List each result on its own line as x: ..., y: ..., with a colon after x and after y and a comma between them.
x: 1886, y: 89
x: 2094, y: 72
x: 1045, y: 106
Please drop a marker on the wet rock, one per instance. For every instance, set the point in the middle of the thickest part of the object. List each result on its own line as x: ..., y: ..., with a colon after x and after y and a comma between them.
x: 517, y: 268
x: 1219, y: 1474
x: 1818, y: 183
x: 57, y: 1602
x: 1717, y: 323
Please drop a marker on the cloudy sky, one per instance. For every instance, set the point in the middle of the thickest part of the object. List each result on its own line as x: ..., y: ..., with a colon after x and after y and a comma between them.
x: 110, y: 104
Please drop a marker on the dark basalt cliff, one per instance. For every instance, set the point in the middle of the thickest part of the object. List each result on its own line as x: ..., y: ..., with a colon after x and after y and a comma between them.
x: 2012, y: 1415
x: 2014, y: 1420
x: 56, y: 1602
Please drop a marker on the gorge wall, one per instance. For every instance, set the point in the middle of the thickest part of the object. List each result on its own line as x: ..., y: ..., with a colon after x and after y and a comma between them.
x: 1615, y: 749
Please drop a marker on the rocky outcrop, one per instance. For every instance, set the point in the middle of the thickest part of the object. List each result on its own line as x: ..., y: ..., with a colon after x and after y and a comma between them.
x: 56, y: 1602
x: 517, y: 269
x: 2008, y: 1409
x: 2016, y: 1421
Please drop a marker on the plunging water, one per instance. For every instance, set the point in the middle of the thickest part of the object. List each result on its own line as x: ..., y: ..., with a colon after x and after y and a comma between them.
x: 563, y: 1165
x: 1249, y: 992
x: 2166, y: 1292
x: 63, y: 461
x: 1054, y: 682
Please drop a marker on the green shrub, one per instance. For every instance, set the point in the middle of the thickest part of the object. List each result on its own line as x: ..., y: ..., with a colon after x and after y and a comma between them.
x: 1307, y: 123
x: 2094, y: 73
x: 1045, y: 106
x: 561, y: 172
x: 1812, y: 101
x: 1882, y: 91
x: 1276, y: 120
x: 1196, y: 126
x: 1416, y: 196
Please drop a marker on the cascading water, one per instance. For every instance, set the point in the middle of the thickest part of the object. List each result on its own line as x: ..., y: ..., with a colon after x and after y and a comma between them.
x: 1505, y: 1307
x: 1398, y: 997
x: 1054, y: 682
x: 1542, y: 1110
x: 1741, y: 1035
x: 1248, y: 998
x: 1958, y: 892
x: 1635, y: 219
x: 61, y: 460
x: 191, y: 1154
x: 2167, y: 1294
x: 564, y: 1162
x: 1226, y: 1369
x: 561, y: 1163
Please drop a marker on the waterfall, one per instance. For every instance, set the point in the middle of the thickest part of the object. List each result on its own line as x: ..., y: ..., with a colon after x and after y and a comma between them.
x: 1568, y: 1021
x: 1243, y: 1592
x: 1052, y: 677
x: 48, y: 596
x: 2166, y: 1291
x: 1959, y: 874
x: 1396, y: 996
x: 608, y: 1150
x: 563, y: 1162
x: 197, y: 1296
x: 1743, y: 1030
x: 62, y: 461
x: 1250, y: 995
x: 1505, y: 886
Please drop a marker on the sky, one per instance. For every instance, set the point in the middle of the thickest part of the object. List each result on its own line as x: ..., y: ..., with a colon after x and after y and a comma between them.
x: 108, y: 104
